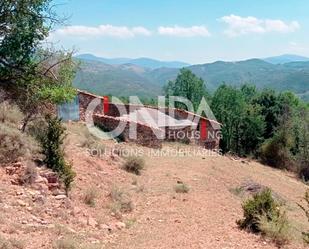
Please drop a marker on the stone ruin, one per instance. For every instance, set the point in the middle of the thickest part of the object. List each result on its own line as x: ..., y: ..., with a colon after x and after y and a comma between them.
x: 150, y: 131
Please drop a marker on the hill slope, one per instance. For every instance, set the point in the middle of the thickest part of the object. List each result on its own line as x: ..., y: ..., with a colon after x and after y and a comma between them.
x: 131, y: 79
x: 143, y: 62
x: 39, y: 217
x: 286, y: 58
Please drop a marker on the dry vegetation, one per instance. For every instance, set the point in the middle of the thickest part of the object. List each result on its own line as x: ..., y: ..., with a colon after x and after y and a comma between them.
x: 109, y: 207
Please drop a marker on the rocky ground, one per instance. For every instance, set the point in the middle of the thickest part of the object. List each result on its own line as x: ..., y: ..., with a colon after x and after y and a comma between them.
x: 128, y: 211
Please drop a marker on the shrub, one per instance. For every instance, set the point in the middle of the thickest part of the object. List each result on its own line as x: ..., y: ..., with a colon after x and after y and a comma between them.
x: 262, y: 215
x: 277, y: 229
x: 4, y: 243
x: 65, y: 243
x: 134, y: 164
x: 18, y: 244
x: 90, y: 195
x: 67, y: 175
x: 52, y: 144
x: 181, y: 188
x: 261, y: 204
x: 10, y: 114
x: 14, y: 144
x: 273, y: 152
x: 54, y: 154
x: 30, y: 174
x: 306, y: 211
x: 121, y: 201
x: 37, y: 128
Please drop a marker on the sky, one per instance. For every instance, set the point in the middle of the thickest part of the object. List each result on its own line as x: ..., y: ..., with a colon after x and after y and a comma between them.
x: 195, y: 31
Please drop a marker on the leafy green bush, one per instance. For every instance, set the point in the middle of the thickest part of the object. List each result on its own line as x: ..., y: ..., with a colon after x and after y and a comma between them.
x: 275, y: 152
x: 262, y: 215
x: 261, y: 204
x: 134, y: 164
x: 52, y: 149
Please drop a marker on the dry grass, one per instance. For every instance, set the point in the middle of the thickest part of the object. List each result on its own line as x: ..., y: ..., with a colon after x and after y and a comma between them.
x: 14, y: 144
x: 181, y: 188
x: 90, y: 195
x: 66, y: 243
x: 10, y: 114
x: 122, y: 202
x: 278, y: 230
x: 11, y: 243
x: 30, y: 174
x: 134, y: 164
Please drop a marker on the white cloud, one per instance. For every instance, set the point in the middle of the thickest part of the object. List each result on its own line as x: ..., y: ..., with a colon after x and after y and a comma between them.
x: 184, y: 31
x: 238, y: 25
x: 103, y: 30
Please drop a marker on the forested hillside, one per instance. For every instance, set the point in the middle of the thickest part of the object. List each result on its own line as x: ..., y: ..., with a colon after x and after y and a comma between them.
x: 131, y: 79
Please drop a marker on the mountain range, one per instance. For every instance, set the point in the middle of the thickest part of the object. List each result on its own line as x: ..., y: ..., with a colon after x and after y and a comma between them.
x: 143, y: 61
x: 145, y: 77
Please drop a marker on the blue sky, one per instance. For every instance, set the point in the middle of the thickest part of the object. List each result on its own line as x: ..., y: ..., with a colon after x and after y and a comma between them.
x: 195, y: 31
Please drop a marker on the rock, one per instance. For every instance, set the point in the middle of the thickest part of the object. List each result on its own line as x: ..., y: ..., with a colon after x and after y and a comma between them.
x: 83, y: 220
x: 21, y: 203
x: 104, y: 226
x: 53, y: 186
x: 41, y: 179
x: 92, y: 222
x: 40, y: 199
x: 19, y: 192
x: 60, y: 197
x: 120, y: 225
x: 58, y: 192
x: 42, y: 187
x: 10, y: 170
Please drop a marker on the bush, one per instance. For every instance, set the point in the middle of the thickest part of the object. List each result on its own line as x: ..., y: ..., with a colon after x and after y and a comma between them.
x: 261, y: 204
x: 181, y: 188
x: 10, y: 114
x: 262, y: 215
x: 30, y: 174
x: 90, y: 195
x: 273, y: 152
x: 66, y: 243
x: 67, y: 175
x: 304, y: 173
x: 134, y: 164
x: 306, y: 211
x: 54, y: 155
x: 278, y: 229
x: 121, y: 201
x: 14, y: 144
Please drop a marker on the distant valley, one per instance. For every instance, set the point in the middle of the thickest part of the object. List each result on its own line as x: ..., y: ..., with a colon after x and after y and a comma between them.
x: 145, y: 77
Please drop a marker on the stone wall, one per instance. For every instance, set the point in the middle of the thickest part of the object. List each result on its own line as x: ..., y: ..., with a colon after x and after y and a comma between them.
x: 145, y: 135
x: 84, y: 99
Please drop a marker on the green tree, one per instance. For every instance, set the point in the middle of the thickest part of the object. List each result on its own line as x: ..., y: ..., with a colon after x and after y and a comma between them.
x: 36, y: 77
x: 270, y: 109
x: 23, y: 25
x: 52, y: 142
x: 189, y: 86
x: 243, y: 125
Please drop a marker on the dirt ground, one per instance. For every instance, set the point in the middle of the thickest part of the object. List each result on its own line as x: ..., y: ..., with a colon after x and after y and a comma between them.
x: 205, y: 217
